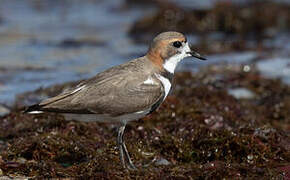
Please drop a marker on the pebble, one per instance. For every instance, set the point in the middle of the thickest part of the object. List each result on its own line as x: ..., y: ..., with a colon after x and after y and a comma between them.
x: 241, y: 93
x: 3, y: 111
x: 162, y: 162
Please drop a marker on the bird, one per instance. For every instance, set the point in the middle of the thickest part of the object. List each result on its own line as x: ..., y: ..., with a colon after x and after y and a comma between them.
x: 125, y: 92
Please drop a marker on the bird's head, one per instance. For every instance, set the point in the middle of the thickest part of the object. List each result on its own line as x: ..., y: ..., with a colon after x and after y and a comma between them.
x: 169, y: 48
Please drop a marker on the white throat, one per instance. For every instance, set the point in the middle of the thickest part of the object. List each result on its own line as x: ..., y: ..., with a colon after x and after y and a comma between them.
x: 171, y: 63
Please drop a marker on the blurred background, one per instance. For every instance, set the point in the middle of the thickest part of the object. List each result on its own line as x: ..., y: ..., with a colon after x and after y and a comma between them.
x: 228, y: 119
x: 47, y: 42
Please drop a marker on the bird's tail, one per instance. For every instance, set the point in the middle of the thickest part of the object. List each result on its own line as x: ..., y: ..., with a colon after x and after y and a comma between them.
x: 34, y: 109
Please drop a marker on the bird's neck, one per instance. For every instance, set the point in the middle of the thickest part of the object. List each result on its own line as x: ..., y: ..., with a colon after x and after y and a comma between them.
x: 164, y: 65
x: 171, y: 63
x: 155, y: 59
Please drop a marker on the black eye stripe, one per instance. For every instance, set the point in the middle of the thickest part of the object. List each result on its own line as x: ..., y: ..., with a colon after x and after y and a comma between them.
x: 177, y: 44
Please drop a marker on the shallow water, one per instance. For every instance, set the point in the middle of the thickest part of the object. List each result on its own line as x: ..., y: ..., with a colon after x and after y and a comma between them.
x: 32, y: 48
x: 49, y: 42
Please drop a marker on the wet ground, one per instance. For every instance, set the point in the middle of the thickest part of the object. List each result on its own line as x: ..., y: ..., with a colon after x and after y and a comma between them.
x: 204, y: 130
x: 227, y: 117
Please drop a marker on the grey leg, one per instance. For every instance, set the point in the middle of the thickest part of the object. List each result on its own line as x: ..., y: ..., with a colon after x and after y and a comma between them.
x: 120, y: 143
x: 125, y: 160
x: 130, y: 163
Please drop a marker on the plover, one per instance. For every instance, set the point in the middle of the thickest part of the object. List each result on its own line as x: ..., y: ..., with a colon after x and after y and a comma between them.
x: 125, y: 92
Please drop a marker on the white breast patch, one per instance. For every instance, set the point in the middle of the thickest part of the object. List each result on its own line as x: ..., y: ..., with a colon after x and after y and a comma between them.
x: 149, y: 81
x: 166, y: 84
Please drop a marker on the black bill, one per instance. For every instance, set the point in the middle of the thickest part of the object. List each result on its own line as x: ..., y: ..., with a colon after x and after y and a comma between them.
x: 196, y: 55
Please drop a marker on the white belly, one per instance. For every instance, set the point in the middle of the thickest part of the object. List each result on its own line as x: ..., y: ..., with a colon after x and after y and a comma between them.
x: 105, y: 117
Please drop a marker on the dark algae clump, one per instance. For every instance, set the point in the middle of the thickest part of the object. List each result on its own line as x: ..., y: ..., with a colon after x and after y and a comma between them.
x: 202, y: 131
x: 230, y: 18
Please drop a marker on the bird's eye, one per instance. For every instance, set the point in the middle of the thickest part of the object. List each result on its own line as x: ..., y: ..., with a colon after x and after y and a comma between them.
x: 177, y: 44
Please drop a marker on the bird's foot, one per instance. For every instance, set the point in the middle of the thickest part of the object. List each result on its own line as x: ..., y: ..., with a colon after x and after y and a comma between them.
x: 125, y: 159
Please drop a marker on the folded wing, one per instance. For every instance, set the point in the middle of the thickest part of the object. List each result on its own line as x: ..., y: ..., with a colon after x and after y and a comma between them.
x: 117, y: 94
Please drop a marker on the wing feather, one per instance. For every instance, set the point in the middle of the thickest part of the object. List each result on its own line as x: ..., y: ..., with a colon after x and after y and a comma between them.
x: 115, y: 94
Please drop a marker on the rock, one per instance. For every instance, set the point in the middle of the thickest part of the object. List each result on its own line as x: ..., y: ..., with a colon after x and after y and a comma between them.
x: 286, y: 171
x: 224, y: 17
x: 5, y: 178
x: 167, y: 18
x: 4, y: 110
x: 10, y: 178
x: 240, y: 93
x: 73, y: 43
x: 162, y: 162
x: 77, y: 43
x: 144, y: 2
